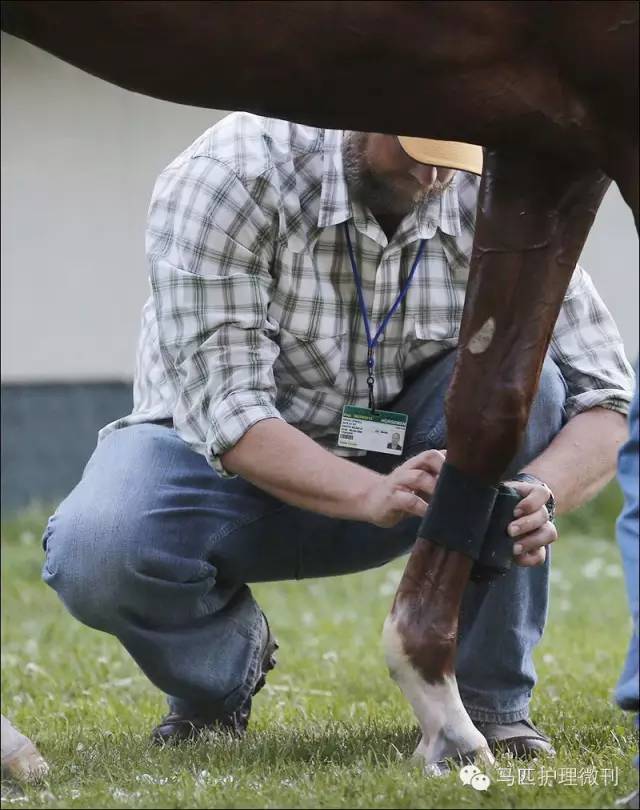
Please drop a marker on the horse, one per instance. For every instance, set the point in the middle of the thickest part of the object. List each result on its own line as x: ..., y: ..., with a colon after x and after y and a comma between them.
x: 557, y: 125
x: 21, y: 760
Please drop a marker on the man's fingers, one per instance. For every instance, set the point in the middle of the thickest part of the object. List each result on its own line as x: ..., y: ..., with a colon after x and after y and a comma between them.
x: 535, y: 496
x: 528, y: 523
x: 542, y: 537
x: 430, y: 460
x: 409, y: 503
x: 532, y: 558
x: 423, y: 482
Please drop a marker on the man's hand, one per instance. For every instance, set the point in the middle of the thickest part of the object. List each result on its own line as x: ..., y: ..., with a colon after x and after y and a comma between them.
x: 405, y: 491
x: 289, y: 465
x: 531, y: 530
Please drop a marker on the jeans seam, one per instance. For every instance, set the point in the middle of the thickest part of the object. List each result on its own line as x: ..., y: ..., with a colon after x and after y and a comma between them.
x: 243, y: 522
x: 225, y: 532
x: 480, y: 715
x: 234, y: 699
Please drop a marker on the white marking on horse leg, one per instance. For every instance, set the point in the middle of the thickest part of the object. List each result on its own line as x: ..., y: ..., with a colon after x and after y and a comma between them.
x: 481, y: 341
x: 446, y: 727
x: 20, y: 758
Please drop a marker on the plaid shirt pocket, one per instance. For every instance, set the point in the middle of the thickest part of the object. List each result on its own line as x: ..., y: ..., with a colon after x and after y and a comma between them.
x: 440, y: 331
x: 308, y: 360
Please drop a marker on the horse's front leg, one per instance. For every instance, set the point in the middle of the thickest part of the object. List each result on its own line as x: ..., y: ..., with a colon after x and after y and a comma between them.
x: 533, y: 218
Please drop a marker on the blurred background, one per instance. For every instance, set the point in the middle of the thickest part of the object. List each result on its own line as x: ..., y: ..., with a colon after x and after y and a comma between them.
x: 79, y: 159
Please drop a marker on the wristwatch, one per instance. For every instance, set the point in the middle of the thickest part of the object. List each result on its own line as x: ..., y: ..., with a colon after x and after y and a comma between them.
x: 533, y: 479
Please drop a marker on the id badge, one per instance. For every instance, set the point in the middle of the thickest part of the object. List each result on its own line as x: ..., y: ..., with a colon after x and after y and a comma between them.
x: 381, y: 432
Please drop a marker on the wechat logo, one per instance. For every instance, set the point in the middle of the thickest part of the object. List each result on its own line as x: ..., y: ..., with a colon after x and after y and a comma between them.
x: 473, y: 776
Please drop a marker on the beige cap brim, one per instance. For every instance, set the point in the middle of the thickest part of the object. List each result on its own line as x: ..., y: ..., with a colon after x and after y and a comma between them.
x: 466, y: 157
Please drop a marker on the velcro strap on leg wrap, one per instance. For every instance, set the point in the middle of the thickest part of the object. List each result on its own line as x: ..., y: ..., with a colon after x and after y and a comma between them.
x: 459, y: 512
x: 497, y: 551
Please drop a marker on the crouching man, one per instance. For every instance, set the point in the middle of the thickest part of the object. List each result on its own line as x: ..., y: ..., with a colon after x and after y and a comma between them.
x: 303, y: 279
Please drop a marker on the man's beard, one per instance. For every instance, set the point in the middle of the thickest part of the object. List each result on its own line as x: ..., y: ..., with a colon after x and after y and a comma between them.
x: 376, y: 191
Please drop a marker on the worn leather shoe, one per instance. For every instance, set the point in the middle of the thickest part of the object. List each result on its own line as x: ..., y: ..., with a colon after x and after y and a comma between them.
x: 176, y: 728
x: 521, y: 739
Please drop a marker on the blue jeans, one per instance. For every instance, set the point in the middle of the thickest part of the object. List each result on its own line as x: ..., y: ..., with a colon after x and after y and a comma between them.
x: 153, y: 547
x: 628, y: 540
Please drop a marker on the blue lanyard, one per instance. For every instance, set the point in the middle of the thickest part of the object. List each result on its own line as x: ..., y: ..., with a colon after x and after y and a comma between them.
x: 372, y: 341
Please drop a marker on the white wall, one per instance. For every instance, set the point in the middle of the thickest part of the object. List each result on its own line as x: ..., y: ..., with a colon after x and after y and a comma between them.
x: 79, y: 158
x: 611, y: 256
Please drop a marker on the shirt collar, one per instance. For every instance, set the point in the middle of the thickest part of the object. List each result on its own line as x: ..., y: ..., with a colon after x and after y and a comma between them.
x: 441, y: 211
x: 438, y: 211
x: 335, y: 204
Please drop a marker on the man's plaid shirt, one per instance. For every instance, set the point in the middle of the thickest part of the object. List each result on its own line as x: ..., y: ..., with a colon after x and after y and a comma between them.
x: 253, y: 312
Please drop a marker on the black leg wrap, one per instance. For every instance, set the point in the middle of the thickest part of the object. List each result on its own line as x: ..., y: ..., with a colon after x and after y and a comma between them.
x: 459, y: 513
x: 497, y: 552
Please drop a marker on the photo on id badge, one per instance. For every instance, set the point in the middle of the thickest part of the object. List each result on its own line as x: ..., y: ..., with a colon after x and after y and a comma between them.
x: 377, y: 431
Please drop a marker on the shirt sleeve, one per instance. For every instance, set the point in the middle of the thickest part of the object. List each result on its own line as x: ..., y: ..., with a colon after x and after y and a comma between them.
x: 588, y: 349
x: 207, y: 247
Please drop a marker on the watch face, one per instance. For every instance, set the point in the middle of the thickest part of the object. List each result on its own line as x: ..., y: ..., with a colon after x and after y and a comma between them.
x: 533, y: 479
x: 551, y: 506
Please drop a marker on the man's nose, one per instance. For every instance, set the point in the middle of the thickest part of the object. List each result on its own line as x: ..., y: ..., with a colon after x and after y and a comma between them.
x: 425, y: 175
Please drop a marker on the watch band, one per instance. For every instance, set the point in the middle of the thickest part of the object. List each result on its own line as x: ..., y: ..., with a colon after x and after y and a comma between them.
x: 528, y: 478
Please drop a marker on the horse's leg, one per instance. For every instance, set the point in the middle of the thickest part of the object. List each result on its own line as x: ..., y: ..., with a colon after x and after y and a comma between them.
x: 533, y: 218
x: 21, y: 760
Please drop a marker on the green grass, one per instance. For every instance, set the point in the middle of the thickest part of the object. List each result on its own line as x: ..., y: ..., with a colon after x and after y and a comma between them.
x: 330, y: 729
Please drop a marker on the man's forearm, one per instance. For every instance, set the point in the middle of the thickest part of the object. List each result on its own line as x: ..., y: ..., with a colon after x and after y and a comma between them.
x: 582, y: 457
x: 289, y: 465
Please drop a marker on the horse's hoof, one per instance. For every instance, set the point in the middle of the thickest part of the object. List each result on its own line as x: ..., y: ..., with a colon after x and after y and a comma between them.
x: 449, y: 760
x: 21, y: 760
x: 27, y: 765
